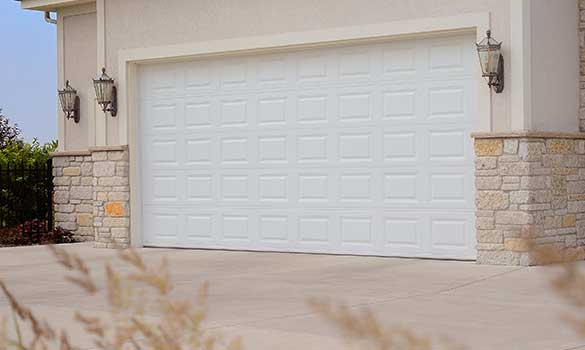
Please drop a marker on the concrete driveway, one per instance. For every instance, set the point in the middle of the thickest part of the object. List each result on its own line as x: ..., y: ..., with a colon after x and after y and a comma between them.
x: 262, y: 296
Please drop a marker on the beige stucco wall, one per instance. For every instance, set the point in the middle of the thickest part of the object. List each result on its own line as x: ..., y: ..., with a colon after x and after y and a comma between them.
x: 555, y: 65
x: 137, y: 23
x: 79, y: 57
x: 544, y: 86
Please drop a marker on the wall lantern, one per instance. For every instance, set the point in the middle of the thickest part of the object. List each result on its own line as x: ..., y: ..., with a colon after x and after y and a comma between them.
x: 491, y: 61
x: 105, y: 92
x: 69, y: 102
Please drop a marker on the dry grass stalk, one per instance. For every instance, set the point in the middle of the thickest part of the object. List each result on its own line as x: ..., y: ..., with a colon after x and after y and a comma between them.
x: 365, y: 330
x: 143, y: 314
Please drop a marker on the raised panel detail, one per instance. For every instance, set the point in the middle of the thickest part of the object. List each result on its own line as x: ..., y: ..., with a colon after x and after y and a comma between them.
x: 198, y: 115
x: 399, y: 60
x: 199, y: 187
x: 273, y: 187
x: 402, y: 232
x: 199, y: 151
x: 399, y: 104
x: 234, y: 150
x: 314, y: 229
x: 400, y: 146
x: 354, y: 107
x: 312, y: 109
x: 165, y: 225
x: 199, y: 226
x: 355, y: 147
x: 234, y: 187
x: 356, y: 187
x: 313, y: 187
x: 164, y: 188
x: 448, y: 233
x: 164, y: 117
x: 312, y: 148
x: 272, y: 149
x: 356, y: 230
x: 164, y: 152
x: 235, y: 227
x: 271, y: 111
x: 446, y: 102
x: 448, y: 187
x: 400, y: 187
x: 274, y: 228
x: 447, y: 144
x: 234, y: 113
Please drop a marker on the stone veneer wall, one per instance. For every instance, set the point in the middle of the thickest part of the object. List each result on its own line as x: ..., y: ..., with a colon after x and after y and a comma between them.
x: 530, y: 191
x: 92, y: 195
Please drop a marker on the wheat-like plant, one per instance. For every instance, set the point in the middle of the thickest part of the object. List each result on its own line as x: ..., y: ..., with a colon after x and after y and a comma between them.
x: 143, y: 314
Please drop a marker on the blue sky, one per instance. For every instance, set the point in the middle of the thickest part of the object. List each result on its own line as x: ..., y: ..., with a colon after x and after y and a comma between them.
x: 28, y: 71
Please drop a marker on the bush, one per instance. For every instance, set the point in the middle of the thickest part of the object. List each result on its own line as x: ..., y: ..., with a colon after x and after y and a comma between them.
x: 24, y: 193
x: 32, y: 234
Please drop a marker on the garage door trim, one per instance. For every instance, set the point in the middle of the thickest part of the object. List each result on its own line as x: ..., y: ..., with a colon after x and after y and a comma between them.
x: 129, y: 126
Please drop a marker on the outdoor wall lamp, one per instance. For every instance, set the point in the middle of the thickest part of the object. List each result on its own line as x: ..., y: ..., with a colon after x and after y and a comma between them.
x: 491, y: 61
x: 69, y: 102
x: 105, y: 92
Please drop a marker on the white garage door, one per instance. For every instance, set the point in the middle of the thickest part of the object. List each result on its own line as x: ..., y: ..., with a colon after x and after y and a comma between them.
x: 360, y: 149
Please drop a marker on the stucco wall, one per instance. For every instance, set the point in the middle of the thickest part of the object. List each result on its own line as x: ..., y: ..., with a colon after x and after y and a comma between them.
x: 555, y: 65
x: 138, y: 23
x: 80, y: 61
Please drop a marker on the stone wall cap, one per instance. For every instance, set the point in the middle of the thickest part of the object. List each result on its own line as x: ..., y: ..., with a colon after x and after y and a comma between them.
x: 108, y: 148
x: 69, y: 153
x: 528, y: 134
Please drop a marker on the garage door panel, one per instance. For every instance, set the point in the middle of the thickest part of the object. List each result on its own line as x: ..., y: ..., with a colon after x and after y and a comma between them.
x: 361, y: 149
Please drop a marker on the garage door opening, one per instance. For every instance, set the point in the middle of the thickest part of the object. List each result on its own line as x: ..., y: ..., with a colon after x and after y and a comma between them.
x: 354, y: 149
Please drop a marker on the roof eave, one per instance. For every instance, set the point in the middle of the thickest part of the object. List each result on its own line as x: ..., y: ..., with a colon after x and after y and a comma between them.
x: 50, y: 5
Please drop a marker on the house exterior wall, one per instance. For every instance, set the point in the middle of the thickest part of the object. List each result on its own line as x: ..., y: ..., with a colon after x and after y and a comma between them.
x: 541, y: 50
x: 78, y: 53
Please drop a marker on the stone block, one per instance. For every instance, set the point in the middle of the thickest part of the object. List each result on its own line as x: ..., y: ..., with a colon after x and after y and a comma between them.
x: 569, y: 220
x: 72, y: 171
x: 61, y: 181
x: 491, y: 200
x: 61, y: 197
x: 514, y: 218
x: 118, y: 155
x: 116, y: 209
x: 116, y: 222
x: 118, y: 196
x: 85, y: 219
x: 531, y: 151
x: 81, y: 192
x: 560, y: 146
x: 511, y: 146
x: 518, y: 244
x: 576, y: 187
x: 488, y: 147
x: 501, y: 257
x: 65, y: 217
x: 104, y: 169
x: 490, y: 236
x: 535, y: 182
x: 484, y: 223
x: 488, y: 183
x: 99, y: 156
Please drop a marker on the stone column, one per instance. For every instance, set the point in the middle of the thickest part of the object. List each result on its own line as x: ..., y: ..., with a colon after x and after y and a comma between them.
x: 92, y: 195
x: 73, y: 193
x: 530, y: 191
